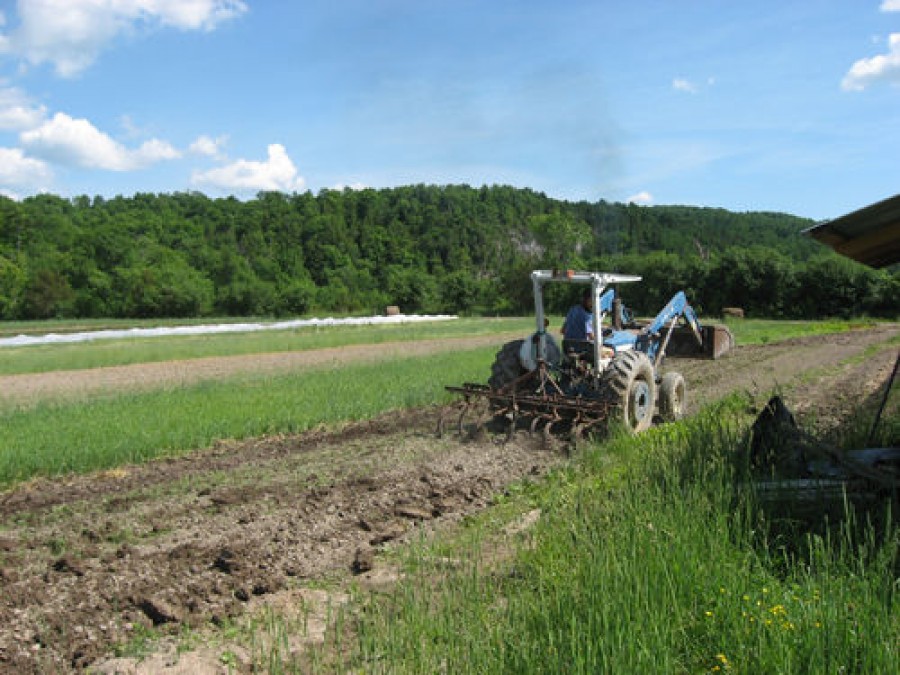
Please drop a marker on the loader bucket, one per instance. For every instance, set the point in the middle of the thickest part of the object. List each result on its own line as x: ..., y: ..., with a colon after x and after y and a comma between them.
x: 717, y: 341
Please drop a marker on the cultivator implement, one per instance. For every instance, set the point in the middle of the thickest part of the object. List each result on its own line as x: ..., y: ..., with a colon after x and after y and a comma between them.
x: 534, y: 402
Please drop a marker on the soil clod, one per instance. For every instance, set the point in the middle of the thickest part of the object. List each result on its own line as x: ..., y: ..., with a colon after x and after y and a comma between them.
x: 363, y: 561
x: 159, y: 611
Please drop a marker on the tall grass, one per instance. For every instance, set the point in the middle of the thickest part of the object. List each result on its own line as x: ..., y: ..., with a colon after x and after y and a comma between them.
x: 61, y: 438
x: 663, y: 566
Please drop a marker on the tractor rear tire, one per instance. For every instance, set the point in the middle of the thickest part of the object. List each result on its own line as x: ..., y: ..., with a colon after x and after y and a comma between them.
x: 629, y: 386
x: 672, y: 397
x: 506, y: 367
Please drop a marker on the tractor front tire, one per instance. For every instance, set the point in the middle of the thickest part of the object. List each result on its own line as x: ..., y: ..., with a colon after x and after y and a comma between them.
x: 629, y: 387
x: 506, y: 368
x: 672, y: 397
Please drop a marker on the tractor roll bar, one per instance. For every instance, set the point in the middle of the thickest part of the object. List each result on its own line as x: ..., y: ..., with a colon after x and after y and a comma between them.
x: 598, y: 281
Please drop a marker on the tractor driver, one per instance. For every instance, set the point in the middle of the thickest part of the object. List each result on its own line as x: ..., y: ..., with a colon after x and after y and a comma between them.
x: 579, y: 323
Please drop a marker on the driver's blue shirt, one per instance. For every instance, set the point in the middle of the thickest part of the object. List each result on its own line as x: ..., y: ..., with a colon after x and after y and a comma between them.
x: 579, y: 323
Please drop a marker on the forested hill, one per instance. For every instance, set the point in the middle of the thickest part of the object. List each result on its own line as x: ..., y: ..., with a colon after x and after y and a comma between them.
x: 424, y: 248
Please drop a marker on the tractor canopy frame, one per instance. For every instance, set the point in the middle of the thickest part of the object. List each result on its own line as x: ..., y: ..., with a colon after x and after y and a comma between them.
x: 599, y: 282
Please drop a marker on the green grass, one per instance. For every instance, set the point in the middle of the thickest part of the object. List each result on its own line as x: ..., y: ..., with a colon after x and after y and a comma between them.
x: 53, y: 439
x: 763, y: 331
x: 662, y: 565
x: 47, y: 358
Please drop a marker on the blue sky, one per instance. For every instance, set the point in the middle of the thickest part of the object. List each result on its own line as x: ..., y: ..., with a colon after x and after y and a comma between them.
x: 765, y: 105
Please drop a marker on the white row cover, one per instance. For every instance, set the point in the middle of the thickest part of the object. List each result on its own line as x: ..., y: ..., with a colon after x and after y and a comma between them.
x: 214, y: 329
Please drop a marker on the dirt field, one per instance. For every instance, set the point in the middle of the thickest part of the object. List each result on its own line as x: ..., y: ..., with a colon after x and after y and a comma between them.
x: 86, y: 562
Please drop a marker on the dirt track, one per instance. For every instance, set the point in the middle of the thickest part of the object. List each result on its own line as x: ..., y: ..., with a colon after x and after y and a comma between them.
x: 86, y: 561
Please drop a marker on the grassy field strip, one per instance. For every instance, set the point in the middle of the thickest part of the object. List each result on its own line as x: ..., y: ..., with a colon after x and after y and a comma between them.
x: 764, y: 331
x: 20, y: 392
x: 47, y: 358
x: 53, y: 439
x: 647, y: 558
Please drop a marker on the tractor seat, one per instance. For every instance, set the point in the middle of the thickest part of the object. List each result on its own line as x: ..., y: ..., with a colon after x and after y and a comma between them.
x: 579, y: 349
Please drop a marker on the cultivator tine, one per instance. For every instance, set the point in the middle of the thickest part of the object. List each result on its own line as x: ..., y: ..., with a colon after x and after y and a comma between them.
x: 547, y: 435
x: 511, y: 430
x: 478, y: 431
x: 462, y: 415
x: 576, y: 436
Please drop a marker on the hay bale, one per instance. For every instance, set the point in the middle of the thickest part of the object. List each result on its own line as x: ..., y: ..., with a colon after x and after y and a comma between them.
x: 392, y: 310
x: 733, y: 312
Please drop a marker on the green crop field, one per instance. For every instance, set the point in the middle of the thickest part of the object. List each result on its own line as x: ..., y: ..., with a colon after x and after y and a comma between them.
x: 54, y: 439
x: 59, y: 437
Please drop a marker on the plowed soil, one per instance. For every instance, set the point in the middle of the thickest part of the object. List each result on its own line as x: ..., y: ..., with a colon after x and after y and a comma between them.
x: 86, y: 562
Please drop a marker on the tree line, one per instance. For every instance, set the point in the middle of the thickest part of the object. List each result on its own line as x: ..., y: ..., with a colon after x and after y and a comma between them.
x: 424, y: 248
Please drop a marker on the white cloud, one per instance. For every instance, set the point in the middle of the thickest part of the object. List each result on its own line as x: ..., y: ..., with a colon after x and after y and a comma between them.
x: 277, y: 173
x: 642, y: 197
x: 681, y: 84
x: 890, y: 6
x: 77, y: 142
x: 70, y: 34
x: 209, y: 147
x: 151, y: 152
x: 21, y: 171
x: 881, y: 68
x: 17, y: 112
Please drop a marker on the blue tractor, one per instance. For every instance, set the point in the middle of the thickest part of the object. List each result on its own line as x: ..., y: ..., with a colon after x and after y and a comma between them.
x: 584, y: 383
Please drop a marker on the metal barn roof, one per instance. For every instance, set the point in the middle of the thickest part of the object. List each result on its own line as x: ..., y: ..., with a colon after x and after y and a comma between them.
x: 870, y: 235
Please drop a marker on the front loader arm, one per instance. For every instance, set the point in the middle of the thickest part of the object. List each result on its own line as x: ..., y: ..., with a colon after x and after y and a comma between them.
x: 677, y: 307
